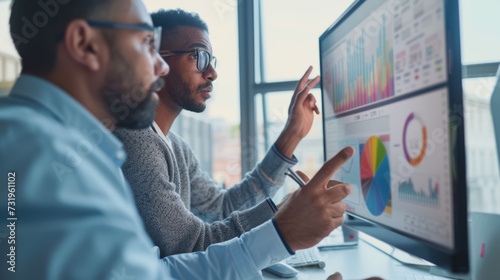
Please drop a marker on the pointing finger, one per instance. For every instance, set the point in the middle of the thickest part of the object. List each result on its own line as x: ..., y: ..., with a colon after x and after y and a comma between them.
x: 328, y: 169
x: 300, y: 88
x: 303, y: 80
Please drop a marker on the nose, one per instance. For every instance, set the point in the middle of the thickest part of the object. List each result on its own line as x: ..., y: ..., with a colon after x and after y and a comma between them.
x: 161, y: 66
x: 211, y: 73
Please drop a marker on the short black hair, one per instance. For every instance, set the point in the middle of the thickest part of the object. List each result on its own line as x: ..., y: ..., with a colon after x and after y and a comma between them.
x: 169, y: 19
x: 37, y: 28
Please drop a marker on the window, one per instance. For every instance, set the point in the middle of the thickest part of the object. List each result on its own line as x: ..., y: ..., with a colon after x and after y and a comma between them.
x: 479, y: 24
x: 481, y: 151
x: 290, y: 35
x: 7, y: 47
x: 9, y: 62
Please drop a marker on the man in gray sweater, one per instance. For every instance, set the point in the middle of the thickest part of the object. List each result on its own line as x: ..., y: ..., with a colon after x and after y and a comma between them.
x: 182, y: 207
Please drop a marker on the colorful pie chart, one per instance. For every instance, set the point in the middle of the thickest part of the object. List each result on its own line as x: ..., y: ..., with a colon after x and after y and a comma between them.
x: 375, y: 176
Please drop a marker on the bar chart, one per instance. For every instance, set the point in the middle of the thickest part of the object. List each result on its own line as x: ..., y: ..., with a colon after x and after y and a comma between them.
x: 408, y: 192
x: 365, y: 73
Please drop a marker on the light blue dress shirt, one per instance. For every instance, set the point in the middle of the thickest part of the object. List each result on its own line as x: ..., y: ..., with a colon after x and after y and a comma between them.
x: 76, y: 217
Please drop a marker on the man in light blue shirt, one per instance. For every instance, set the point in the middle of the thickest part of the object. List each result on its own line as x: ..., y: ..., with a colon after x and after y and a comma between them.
x: 89, y: 66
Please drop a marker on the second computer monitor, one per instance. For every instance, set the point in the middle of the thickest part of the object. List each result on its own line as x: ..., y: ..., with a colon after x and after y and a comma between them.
x: 391, y: 88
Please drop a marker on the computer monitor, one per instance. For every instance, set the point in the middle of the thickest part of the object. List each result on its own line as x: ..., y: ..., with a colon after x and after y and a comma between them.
x: 392, y: 89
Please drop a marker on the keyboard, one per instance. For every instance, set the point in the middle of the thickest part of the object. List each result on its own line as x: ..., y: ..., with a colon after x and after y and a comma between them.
x: 306, y: 257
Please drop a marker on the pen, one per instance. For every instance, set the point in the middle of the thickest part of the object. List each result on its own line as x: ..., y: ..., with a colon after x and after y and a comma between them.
x: 292, y: 174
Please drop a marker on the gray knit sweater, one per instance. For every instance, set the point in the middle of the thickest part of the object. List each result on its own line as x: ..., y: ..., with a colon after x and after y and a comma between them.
x: 182, y: 207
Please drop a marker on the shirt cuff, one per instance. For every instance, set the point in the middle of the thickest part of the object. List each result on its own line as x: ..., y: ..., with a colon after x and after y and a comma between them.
x: 282, y: 238
x: 272, y: 205
x: 292, y: 160
x: 264, y: 246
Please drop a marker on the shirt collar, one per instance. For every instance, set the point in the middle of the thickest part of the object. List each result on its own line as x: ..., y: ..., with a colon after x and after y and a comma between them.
x: 66, y: 110
x: 162, y: 135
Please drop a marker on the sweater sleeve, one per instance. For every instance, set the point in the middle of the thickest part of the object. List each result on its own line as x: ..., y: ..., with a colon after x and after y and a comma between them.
x: 212, y: 203
x: 170, y: 224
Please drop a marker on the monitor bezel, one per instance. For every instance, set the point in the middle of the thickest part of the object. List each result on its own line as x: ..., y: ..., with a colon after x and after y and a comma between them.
x: 457, y: 259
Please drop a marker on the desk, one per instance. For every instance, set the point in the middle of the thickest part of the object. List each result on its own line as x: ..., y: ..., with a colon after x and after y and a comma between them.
x: 358, y: 263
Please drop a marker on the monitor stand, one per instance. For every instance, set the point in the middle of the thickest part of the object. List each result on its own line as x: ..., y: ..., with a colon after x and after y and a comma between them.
x: 395, y: 253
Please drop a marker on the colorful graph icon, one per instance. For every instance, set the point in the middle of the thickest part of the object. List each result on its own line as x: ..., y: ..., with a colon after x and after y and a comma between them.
x: 349, y: 173
x: 422, y: 142
x: 349, y: 166
x: 375, y: 175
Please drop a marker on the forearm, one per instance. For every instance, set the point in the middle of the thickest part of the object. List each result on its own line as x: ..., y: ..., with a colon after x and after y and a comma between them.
x: 287, y: 142
x: 239, y: 258
x: 262, y: 182
x: 178, y: 231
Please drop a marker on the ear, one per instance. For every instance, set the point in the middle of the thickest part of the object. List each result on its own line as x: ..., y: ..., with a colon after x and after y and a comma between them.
x: 85, y: 45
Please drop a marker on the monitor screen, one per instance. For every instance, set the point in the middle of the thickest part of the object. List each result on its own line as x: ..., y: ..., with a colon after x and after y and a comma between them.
x: 391, y: 88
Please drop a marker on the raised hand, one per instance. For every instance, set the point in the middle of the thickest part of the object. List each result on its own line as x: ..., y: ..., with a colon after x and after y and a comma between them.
x: 300, y: 115
x: 310, y: 213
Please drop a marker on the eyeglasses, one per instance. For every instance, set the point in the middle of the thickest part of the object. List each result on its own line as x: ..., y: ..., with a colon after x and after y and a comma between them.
x: 203, y: 57
x: 142, y: 27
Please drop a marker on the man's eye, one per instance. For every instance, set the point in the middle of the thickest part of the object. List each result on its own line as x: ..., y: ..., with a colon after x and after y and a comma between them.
x: 150, y: 41
x: 194, y: 56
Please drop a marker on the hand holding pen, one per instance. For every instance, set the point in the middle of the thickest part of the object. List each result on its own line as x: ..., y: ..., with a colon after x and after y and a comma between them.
x: 311, y: 212
x: 324, y: 245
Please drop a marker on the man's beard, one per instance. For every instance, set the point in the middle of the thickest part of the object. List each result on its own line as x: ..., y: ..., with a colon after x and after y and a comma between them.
x: 129, y: 102
x: 184, y: 97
